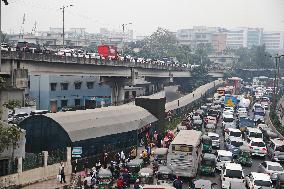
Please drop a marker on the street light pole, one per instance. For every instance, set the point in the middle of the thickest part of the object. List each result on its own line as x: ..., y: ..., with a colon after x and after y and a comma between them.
x: 123, y: 37
x: 63, y: 22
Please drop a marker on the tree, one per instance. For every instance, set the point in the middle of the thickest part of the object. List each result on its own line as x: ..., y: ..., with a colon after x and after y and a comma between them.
x: 9, y: 135
x: 12, y: 104
x: 199, y: 74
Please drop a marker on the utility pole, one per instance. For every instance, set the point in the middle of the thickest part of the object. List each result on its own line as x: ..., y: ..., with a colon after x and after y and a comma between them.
x: 63, y: 22
x: 123, y: 35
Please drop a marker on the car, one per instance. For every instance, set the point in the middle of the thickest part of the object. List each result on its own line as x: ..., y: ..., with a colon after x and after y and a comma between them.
x: 271, y: 168
x: 215, y: 139
x: 223, y: 156
x: 256, y: 180
x: 253, y: 133
x: 275, y: 149
x: 232, y: 144
x: 237, y: 185
x: 231, y: 172
x: 22, y: 46
x: 201, y: 183
x: 256, y: 105
x: 258, y: 147
x: 242, y: 112
x: 228, y: 121
x: 229, y: 109
x: 232, y: 132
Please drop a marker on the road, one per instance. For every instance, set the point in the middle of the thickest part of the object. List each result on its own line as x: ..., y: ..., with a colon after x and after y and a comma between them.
x: 171, y: 93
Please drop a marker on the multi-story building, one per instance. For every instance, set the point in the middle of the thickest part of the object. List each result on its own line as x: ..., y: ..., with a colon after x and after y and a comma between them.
x: 55, y: 92
x: 219, y: 41
x: 114, y: 35
x: 243, y: 37
x: 273, y: 41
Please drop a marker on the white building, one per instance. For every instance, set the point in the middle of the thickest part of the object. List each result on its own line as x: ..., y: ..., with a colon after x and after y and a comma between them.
x: 243, y: 37
x: 274, y: 41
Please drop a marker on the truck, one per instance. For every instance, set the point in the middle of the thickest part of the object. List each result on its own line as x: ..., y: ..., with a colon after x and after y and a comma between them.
x: 108, y: 52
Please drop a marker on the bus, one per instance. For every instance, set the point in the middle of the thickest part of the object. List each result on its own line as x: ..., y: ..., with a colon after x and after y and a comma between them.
x: 184, y: 153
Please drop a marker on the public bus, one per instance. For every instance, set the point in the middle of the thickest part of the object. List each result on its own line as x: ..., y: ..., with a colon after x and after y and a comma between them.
x: 184, y: 153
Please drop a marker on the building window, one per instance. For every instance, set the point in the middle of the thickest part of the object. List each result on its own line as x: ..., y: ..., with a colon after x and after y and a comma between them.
x: 64, y: 86
x: 64, y: 103
x: 90, y: 85
x: 77, y: 85
x: 77, y: 102
x: 53, y: 86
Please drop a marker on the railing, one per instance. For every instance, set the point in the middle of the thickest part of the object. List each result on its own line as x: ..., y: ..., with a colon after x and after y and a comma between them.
x: 19, y: 55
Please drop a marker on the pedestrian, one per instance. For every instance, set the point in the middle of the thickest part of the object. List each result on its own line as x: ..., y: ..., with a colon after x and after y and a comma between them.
x: 133, y: 153
x: 98, y: 165
x: 137, y: 184
x: 119, y: 183
x: 177, y: 183
x: 117, y: 158
x: 122, y: 156
x: 193, y: 95
x: 61, y: 173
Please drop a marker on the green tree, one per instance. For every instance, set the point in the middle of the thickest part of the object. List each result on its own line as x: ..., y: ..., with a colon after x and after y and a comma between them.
x: 199, y: 74
x: 12, y: 104
x: 9, y: 135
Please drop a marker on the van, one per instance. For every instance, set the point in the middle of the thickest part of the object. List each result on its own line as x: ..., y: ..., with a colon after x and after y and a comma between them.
x: 275, y: 149
x: 231, y: 172
x: 253, y: 133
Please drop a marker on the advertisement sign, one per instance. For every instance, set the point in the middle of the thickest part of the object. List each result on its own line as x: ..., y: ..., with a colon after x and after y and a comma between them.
x: 231, y: 101
x: 76, y: 151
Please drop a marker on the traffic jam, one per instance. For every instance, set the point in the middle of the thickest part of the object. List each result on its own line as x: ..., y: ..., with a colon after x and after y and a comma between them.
x: 237, y: 148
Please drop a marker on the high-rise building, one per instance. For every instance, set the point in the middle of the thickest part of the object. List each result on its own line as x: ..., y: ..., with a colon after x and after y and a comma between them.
x: 219, y: 41
x: 273, y: 41
x: 243, y: 37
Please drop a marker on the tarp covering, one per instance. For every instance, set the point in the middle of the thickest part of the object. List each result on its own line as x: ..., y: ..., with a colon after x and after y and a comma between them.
x: 93, y: 123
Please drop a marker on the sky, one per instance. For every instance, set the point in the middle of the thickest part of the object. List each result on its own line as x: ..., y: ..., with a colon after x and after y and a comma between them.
x: 145, y: 15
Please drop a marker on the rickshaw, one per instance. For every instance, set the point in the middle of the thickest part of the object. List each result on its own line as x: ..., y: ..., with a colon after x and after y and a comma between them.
x: 208, y: 164
x: 206, y: 144
x: 244, y: 156
x: 104, y: 179
x: 146, y: 176
x: 280, y: 181
x: 210, y: 127
x: 161, y: 155
x: 164, y: 176
x: 133, y: 167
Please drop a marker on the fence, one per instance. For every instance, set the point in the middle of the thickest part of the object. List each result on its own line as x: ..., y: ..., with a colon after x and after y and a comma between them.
x: 56, y: 156
x: 32, y: 161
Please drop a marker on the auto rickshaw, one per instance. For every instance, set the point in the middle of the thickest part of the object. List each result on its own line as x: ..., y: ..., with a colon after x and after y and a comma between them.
x: 244, y: 156
x: 208, y: 164
x: 161, y: 155
x: 133, y: 167
x: 206, y: 144
x: 164, y: 176
x: 197, y: 125
x: 280, y: 181
x: 104, y: 179
x: 146, y: 176
x: 210, y: 127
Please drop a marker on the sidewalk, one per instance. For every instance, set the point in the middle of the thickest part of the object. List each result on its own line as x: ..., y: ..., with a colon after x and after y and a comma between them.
x: 51, y: 183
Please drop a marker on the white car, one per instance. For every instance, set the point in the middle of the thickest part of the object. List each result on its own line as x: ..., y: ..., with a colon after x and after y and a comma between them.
x: 258, y: 180
x: 258, y: 147
x: 253, y: 133
x: 231, y: 172
x: 242, y: 112
x: 228, y: 121
x: 271, y: 168
x: 223, y: 157
x: 229, y: 109
x: 215, y: 139
x: 232, y: 132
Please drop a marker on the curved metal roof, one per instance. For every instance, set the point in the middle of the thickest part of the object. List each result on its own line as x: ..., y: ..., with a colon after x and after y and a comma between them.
x: 93, y: 123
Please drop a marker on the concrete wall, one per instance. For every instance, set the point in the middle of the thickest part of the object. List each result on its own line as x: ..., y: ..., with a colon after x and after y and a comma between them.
x: 35, y: 175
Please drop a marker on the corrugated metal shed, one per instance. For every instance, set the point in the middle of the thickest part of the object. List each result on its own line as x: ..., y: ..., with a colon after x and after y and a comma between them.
x: 93, y: 123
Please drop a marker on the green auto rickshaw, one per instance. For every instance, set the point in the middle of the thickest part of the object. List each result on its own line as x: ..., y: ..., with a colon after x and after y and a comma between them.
x: 165, y: 176
x: 244, y: 156
x: 104, y: 179
x: 146, y: 176
x: 134, y: 166
x: 208, y: 164
x: 206, y: 144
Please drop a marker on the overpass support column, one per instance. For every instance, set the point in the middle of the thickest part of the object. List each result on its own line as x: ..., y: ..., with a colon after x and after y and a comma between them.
x: 117, y: 94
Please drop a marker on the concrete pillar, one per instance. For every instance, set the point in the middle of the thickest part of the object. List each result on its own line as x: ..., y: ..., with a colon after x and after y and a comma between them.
x: 117, y: 93
x: 20, y: 165
x: 45, y: 157
x: 68, y: 155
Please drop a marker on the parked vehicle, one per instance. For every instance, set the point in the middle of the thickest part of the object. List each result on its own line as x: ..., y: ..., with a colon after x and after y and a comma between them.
x: 134, y: 166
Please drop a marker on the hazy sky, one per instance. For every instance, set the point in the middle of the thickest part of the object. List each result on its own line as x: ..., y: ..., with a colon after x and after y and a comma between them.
x: 146, y: 15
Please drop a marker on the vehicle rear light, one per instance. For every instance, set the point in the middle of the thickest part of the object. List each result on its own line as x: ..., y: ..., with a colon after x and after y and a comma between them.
x: 264, y: 149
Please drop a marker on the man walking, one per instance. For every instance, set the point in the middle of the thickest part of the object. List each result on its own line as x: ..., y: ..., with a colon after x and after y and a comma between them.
x: 61, y: 172
x: 177, y: 183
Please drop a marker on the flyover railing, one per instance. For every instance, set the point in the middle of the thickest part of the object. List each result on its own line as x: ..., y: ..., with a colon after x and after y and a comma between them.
x: 87, y: 59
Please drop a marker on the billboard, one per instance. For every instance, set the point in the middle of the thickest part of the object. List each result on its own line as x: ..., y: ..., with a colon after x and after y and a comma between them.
x: 231, y: 101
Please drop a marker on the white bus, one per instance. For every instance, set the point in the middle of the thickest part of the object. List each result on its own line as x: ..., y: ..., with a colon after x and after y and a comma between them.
x: 184, y: 153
